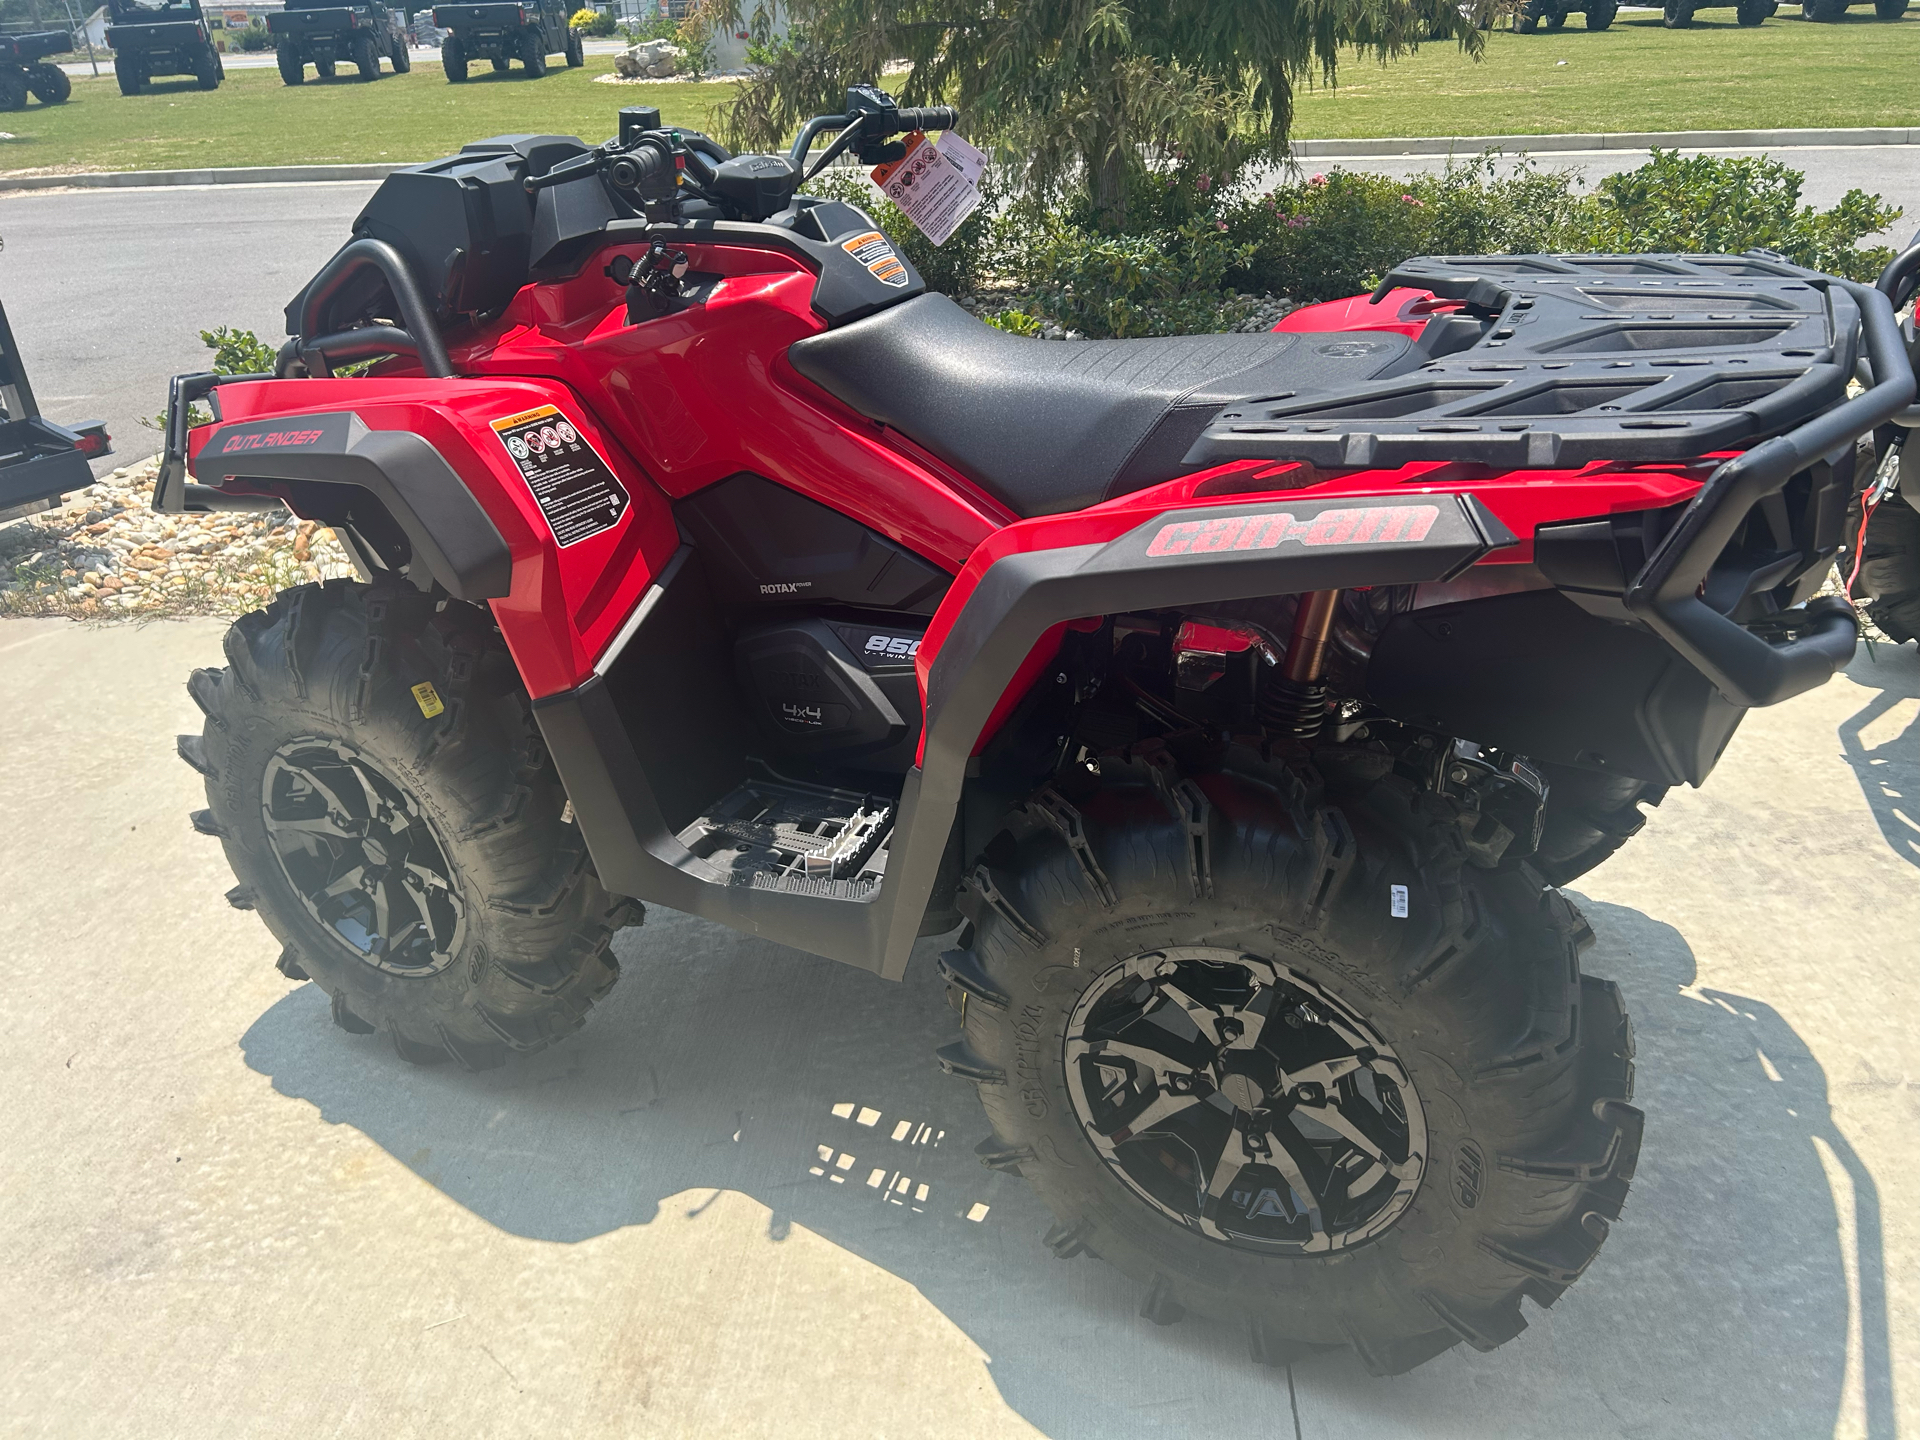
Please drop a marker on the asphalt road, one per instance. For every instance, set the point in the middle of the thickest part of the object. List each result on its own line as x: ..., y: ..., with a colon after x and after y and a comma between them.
x: 108, y: 289
x: 222, y: 1216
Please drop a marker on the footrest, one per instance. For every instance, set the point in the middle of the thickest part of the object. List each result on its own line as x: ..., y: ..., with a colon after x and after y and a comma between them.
x: 807, y: 839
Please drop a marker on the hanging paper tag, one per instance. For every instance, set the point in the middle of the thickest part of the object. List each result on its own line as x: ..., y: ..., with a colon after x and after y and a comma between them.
x: 932, y: 186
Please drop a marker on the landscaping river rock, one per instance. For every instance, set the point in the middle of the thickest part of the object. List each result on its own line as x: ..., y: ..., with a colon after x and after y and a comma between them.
x: 107, y: 553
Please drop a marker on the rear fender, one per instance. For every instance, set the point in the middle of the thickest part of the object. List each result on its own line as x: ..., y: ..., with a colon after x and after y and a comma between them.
x: 426, y: 453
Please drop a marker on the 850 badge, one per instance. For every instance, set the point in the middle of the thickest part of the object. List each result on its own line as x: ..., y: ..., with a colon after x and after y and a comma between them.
x: 572, y: 483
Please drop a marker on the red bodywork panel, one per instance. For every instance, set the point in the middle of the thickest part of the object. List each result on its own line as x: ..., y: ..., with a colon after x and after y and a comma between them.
x: 685, y: 401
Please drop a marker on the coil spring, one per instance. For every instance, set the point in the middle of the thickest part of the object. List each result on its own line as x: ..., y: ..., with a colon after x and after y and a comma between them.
x: 1291, y: 709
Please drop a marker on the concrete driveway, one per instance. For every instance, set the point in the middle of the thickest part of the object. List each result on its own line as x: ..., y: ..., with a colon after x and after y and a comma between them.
x: 220, y: 1216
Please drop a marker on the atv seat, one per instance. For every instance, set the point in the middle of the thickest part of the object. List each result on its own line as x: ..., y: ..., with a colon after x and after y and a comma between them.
x: 1047, y: 427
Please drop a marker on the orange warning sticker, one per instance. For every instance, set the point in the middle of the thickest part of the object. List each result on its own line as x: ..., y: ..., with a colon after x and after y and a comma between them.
x: 875, y: 251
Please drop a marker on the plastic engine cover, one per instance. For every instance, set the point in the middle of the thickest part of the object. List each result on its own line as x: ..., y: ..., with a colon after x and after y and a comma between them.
x: 833, y: 690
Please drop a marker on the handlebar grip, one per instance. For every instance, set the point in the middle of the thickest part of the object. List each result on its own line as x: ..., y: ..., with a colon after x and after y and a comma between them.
x: 635, y: 169
x: 930, y: 117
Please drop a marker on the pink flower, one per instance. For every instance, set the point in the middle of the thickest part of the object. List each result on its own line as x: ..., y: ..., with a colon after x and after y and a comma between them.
x: 1203, y: 184
x: 1318, y: 182
x: 1411, y: 201
x: 1296, y: 222
x: 1220, y: 225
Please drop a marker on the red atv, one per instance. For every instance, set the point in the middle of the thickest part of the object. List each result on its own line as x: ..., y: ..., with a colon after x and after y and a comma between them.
x: 1239, y: 700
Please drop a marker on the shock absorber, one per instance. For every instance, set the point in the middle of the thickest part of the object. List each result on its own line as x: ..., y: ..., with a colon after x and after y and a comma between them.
x: 1293, y: 703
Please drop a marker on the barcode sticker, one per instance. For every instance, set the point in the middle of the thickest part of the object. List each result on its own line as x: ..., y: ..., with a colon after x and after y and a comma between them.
x: 1397, y: 901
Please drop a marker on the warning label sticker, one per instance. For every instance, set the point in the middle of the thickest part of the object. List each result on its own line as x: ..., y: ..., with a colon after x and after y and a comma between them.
x: 938, y: 185
x: 875, y: 251
x: 571, y: 482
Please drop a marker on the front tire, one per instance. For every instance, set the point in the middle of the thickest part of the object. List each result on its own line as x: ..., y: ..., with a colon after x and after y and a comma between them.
x: 1200, y: 1031
x: 128, y: 72
x: 1600, y: 16
x: 1889, y: 9
x: 207, y: 73
x: 401, y: 57
x: 418, y: 868
x: 1889, y: 582
x: 577, y: 49
x: 1676, y: 15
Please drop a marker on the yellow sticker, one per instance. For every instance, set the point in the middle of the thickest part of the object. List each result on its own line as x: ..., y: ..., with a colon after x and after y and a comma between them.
x: 428, y: 699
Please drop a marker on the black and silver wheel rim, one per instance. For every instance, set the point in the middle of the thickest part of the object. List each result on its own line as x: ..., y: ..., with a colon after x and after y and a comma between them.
x: 362, y: 856
x: 1243, y: 1102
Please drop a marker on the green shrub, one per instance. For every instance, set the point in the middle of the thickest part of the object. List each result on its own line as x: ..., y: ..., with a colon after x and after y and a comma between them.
x: 592, y: 22
x: 254, y: 38
x: 1337, y: 234
x: 1705, y: 204
x: 1125, y: 285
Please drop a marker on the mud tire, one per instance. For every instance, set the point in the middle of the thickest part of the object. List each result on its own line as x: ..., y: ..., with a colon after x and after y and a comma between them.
x: 337, y: 662
x: 1523, y: 1066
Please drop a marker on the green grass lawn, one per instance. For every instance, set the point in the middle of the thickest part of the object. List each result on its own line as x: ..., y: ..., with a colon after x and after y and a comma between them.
x: 1785, y: 74
x: 1637, y: 76
x: 254, y: 119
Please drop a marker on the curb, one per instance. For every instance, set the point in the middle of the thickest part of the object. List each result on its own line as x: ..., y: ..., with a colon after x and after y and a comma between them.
x: 1624, y: 140
x: 250, y: 175
x: 1301, y: 150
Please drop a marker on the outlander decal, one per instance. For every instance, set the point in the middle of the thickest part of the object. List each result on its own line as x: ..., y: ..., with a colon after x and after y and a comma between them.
x: 875, y: 251
x: 270, y: 439
x: 572, y: 484
x: 1362, y: 525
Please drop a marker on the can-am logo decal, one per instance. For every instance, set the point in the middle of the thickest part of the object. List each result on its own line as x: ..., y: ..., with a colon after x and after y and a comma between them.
x: 269, y: 440
x: 1366, y: 525
x: 873, y: 250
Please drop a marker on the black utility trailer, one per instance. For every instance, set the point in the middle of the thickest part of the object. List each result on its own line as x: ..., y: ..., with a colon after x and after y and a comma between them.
x: 39, y: 460
x: 169, y: 38
x: 322, y: 33
x: 504, y: 32
x: 24, y: 70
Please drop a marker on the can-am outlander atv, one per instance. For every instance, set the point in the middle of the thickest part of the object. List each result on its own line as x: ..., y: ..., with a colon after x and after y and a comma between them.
x: 1239, y: 700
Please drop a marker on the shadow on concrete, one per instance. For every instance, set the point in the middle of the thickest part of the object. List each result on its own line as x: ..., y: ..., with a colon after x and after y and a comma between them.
x: 1889, y: 772
x: 1720, y: 1306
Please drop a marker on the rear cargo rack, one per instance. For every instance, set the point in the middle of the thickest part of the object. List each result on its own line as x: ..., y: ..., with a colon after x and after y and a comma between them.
x: 1561, y: 360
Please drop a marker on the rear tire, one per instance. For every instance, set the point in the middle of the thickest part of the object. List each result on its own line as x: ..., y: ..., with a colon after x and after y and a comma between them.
x: 1676, y: 15
x: 402, y: 59
x: 52, y: 84
x: 207, y: 73
x: 501, y: 64
x: 576, y: 50
x: 453, y: 59
x: 293, y: 70
x: 1490, y: 1079
x: 128, y: 72
x: 1890, y: 574
x: 324, y: 68
x: 1889, y: 9
x: 1751, y: 12
x: 1599, y: 17
x: 476, y: 926
x: 13, y: 90
x: 1557, y: 20
x: 1589, y: 816
x: 366, y: 58
x: 1825, y: 12
x: 534, y: 55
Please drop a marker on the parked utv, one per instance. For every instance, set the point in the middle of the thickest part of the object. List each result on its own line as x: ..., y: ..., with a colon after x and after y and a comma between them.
x: 1234, y: 703
x: 322, y: 33
x: 505, y: 32
x: 166, y: 38
x: 24, y: 71
x: 1553, y: 14
x: 1678, y: 14
x: 1828, y: 12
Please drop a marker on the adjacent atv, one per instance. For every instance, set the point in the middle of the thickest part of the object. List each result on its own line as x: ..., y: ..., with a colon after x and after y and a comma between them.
x: 322, y: 33
x: 39, y: 460
x: 1235, y: 702
x: 24, y: 71
x: 166, y: 38
x: 505, y: 32
x: 1553, y: 14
